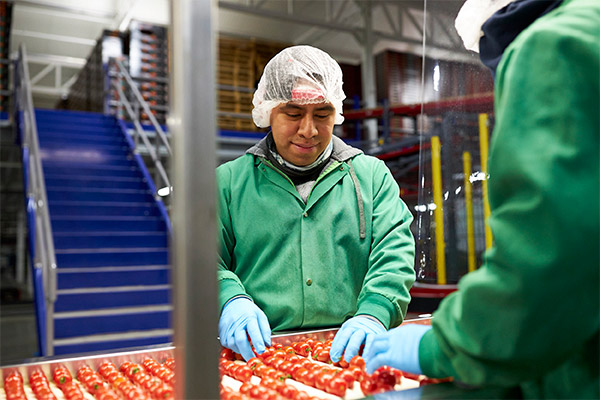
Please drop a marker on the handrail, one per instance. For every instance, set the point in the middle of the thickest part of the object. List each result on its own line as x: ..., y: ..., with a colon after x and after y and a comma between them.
x: 44, y: 257
x: 154, y: 152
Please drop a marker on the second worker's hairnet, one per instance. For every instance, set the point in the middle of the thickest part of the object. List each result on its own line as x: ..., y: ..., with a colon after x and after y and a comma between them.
x: 302, y: 74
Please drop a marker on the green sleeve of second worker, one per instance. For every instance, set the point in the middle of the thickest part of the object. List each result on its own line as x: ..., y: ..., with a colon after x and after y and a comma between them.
x: 514, y: 319
x: 229, y: 283
x: 385, y: 291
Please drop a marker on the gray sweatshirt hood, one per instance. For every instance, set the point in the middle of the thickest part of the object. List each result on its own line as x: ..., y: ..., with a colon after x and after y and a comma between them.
x: 341, y: 150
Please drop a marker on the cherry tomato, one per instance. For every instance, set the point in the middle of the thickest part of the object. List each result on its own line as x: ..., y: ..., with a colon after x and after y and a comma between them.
x: 304, y: 349
x: 337, y: 386
x: 348, y: 377
x: 302, y: 396
x: 368, y: 386
x: 253, y: 362
x: 244, y: 373
x: 323, y: 379
x: 358, y: 361
x: 279, y: 354
x: 384, y: 377
x: 170, y: 363
x: 323, y: 356
x: 299, y: 374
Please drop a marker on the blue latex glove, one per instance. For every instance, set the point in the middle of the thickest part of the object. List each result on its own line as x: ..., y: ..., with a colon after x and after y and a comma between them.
x: 398, y: 348
x: 241, y: 316
x: 352, y: 334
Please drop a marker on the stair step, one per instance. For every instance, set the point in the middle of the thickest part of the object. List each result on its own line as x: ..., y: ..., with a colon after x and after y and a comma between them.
x: 72, y: 208
x: 112, y: 223
x: 95, y: 343
x: 97, y: 298
x: 113, y: 320
x: 71, y: 278
x: 94, y: 182
x: 99, y: 170
x: 67, y: 118
x: 89, y: 194
x: 76, y: 160
x: 79, y: 129
x: 70, y: 240
x: 75, y: 258
x: 89, y: 150
x: 60, y: 137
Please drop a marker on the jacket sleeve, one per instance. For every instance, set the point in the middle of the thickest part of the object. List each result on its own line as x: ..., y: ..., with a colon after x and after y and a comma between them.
x: 229, y: 283
x: 385, y: 291
x: 514, y: 319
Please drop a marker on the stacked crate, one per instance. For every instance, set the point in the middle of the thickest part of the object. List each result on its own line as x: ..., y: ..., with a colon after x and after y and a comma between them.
x: 148, y: 65
x: 5, y: 20
x: 240, y: 65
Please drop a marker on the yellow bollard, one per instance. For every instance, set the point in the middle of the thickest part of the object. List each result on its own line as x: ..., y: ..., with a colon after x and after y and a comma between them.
x: 469, y: 211
x: 438, y: 213
x: 483, y: 147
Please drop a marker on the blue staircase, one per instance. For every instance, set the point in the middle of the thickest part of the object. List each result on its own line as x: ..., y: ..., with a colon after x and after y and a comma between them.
x: 110, y: 236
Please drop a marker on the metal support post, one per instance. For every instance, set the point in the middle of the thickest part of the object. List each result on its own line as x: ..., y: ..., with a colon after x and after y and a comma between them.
x: 368, y: 73
x: 438, y: 213
x: 192, y: 123
x: 483, y: 149
x: 469, y: 211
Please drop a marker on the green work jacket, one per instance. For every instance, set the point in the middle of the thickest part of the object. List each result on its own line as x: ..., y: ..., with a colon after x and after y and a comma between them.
x: 530, y: 315
x: 348, y: 250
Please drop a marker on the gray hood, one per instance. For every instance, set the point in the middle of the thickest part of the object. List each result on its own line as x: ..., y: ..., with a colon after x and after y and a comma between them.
x: 341, y: 151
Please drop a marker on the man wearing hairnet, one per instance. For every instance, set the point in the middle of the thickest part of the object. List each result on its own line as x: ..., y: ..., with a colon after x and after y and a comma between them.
x: 529, y: 317
x: 313, y: 232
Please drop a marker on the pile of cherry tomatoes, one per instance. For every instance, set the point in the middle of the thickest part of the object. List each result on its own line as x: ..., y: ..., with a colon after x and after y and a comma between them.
x: 150, y: 380
x: 307, y: 362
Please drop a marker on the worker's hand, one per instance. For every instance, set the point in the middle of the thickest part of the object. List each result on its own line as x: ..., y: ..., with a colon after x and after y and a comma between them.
x: 398, y: 348
x: 242, y: 318
x: 352, y: 334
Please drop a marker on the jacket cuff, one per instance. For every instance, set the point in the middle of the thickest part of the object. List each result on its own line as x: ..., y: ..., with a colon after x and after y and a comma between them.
x: 378, y: 307
x: 228, y: 289
x: 433, y: 361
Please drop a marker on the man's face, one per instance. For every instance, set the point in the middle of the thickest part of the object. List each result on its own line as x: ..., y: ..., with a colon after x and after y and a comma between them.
x: 302, y: 131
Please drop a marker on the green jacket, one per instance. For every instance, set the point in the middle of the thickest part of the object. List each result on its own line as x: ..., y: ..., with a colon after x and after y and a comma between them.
x: 530, y: 315
x: 306, y: 265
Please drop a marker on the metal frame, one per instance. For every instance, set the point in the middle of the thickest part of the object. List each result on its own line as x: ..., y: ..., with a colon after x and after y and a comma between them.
x: 161, y: 139
x: 340, y: 15
x: 192, y: 123
x: 54, y: 65
x: 44, y: 256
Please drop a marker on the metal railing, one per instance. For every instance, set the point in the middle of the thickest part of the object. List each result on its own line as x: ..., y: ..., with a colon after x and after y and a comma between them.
x: 132, y: 108
x: 42, y: 243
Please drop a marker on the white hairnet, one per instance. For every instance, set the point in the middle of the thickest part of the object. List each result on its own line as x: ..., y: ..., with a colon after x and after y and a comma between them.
x: 471, y: 18
x: 302, y: 74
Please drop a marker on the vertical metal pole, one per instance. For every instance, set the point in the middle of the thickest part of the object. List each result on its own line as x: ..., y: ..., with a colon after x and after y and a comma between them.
x: 20, y: 256
x: 368, y: 73
x: 469, y: 211
x: 192, y: 122
x: 483, y: 150
x: 438, y: 213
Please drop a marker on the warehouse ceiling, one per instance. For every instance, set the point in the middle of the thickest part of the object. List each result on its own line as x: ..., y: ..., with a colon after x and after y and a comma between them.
x: 59, y: 35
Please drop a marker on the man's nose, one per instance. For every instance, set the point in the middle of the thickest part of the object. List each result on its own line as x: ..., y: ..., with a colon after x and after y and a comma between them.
x: 307, y: 127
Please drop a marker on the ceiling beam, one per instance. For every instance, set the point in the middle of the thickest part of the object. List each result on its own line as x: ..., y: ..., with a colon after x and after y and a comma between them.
x: 54, y: 37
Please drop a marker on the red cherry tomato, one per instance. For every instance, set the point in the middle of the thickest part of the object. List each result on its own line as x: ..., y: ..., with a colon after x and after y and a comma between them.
x: 368, y: 386
x: 384, y: 377
x: 358, y: 361
x: 348, y: 377
x: 337, y: 386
